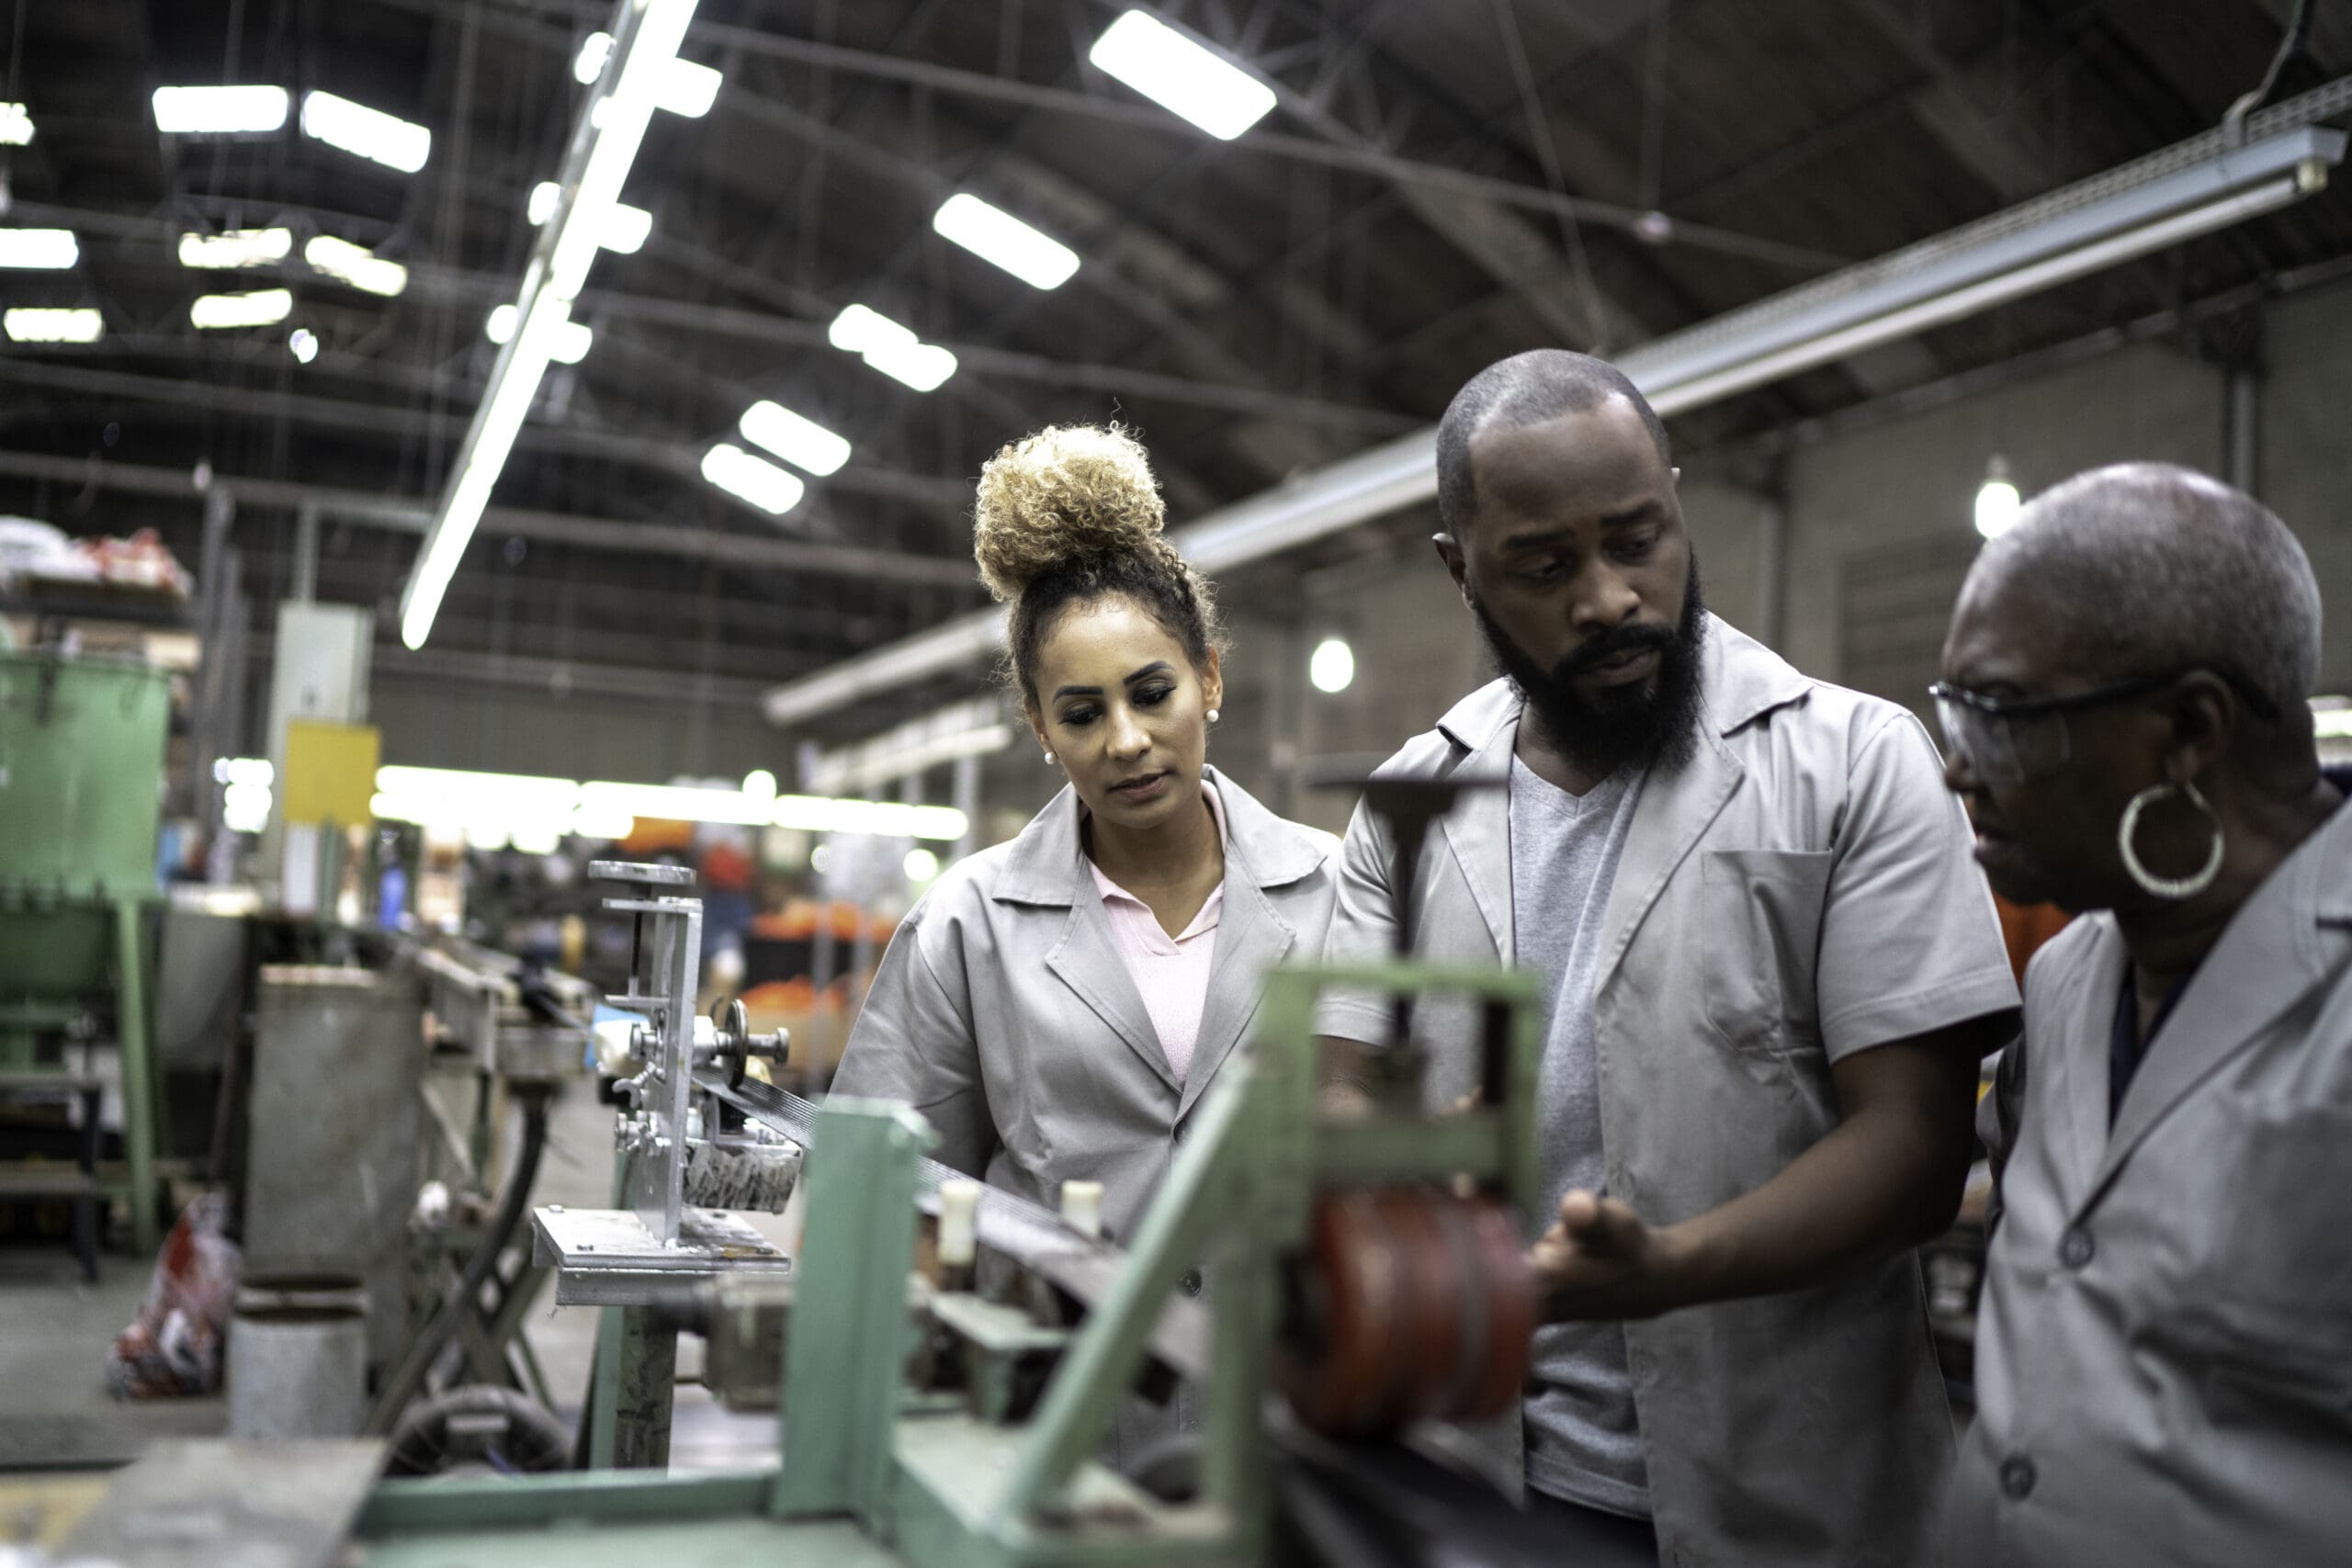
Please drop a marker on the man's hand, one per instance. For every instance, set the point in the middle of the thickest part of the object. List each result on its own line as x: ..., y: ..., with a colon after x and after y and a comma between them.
x: 1599, y: 1261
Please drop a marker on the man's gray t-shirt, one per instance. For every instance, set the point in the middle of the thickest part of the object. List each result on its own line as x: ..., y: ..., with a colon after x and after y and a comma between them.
x: 1583, y: 1443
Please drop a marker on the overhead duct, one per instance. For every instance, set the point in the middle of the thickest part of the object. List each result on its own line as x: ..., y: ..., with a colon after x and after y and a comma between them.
x: 2165, y: 198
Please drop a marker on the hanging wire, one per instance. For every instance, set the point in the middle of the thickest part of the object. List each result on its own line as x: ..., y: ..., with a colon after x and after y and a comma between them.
x: 1548, y: 153
x: 2298, y: 35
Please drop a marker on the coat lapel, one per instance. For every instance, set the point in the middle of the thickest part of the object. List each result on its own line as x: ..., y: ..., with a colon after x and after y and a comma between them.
x: 1675, y: 811
x: 2077, y: 1061
x: 1262, y: 852
x: 1251, y: 938
x: 1048, y: 869
x: 1477, y: 831
x: 2268, y: 959
x: 1085, y: 960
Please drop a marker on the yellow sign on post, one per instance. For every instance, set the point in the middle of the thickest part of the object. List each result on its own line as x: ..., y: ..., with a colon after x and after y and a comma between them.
x: 329, y: 772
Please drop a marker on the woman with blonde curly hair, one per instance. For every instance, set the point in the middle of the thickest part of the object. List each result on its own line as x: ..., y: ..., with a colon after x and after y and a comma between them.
x: 1058, y: 1005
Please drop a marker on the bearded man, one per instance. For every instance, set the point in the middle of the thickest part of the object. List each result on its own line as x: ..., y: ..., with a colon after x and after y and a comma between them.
x: 1770, y: 970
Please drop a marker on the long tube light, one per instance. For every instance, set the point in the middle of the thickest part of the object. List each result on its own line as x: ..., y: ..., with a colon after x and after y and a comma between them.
x: 2171, y: 196
x: 367, y: 133
x: 490, y: 808
x: 1181, y: 75
x: 604, y: 140
x: 31, y: 324
x: 356, y: 265
x: 236, y: 247
x: 39, y: 250
x: 997, y: 237
x: 261, y: 307
x: 220, y: 111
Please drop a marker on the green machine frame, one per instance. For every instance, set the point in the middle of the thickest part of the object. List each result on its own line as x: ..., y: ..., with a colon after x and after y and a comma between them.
x: 882, y: 1474
x: 81, y: 779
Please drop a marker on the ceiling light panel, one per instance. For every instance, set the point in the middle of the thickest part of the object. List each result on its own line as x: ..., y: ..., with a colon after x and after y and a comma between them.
x: 686, y: 88
x: 755, y: 480
x: 262, y: 307
x: 624, y: 229
x: 356, y: 265
x: 801, y: 441
x: 29, y: 324
x: 16, y: 125
x: 1180, y: 75
x: 39, y: 250
x: 367, y: 133
x: 220, y: 111
x: 891, y: 348
x: 998, y: 237
x: 236, y: 247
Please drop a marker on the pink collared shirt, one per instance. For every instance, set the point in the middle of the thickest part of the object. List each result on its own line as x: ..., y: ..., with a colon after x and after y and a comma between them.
x: 1171, y: 974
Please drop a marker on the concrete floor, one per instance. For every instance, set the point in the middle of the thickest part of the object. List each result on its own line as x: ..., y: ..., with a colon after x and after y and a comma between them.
x: 55, y: 1411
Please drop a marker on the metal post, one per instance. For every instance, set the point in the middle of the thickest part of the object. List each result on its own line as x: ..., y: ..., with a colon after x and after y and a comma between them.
x: 213, y: 676
x: 966, y: 799
x: 1773, y: 573
x: 2244, y: 424
x: 644, y: 1388
x: 844, y: 1357
x: 137, y: 1069
x: 304, y: 587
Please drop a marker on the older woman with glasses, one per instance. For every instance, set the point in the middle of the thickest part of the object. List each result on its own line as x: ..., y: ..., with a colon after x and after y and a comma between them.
x: 2163, y: 1353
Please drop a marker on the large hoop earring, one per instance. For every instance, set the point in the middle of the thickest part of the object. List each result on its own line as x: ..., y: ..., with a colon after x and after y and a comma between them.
x: 2171, y: 887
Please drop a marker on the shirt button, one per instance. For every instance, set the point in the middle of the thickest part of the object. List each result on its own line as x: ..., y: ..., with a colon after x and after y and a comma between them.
x: 1190, y: 1283
x: 1183, y: 1131
x: 2075, y: 1247
x: 2017, y: 1478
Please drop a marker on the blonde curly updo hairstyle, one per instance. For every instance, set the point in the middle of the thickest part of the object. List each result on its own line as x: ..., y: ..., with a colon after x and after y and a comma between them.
x: 1072, y: 515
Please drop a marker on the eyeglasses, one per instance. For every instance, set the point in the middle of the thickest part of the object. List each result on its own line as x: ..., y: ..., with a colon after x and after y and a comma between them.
x: 2008, y: 740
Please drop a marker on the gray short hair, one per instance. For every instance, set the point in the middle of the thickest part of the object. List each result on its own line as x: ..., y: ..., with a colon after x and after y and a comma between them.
x: 2159, y: 567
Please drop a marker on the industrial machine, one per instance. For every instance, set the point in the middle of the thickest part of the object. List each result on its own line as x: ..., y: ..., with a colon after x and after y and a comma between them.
x: 947, y: 1360
x: 80, y: 790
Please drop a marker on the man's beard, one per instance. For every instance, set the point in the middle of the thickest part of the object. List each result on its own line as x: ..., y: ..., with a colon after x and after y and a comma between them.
x: 1624, y: 724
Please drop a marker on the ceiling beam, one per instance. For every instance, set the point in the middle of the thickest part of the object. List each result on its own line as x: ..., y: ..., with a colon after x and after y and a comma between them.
x: 410, y: 513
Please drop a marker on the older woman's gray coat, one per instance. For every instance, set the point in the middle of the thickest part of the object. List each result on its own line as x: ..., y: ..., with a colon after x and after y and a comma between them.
x: 2163, y: 1353
x: 1003, y: 1013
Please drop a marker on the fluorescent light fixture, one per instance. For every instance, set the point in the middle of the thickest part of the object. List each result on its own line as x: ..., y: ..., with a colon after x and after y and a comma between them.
x: 220, y: 111
x: 891, y: 348
x: 496, y: 808
x: 39, y: 250
x: 1332, y: 666
x: 688, y: 90
x: 369, y: 133
x: 773, y: 489
x: 801, y: 441
x: 1180, y: 75
x: 513, y: 385
x: 625, y: 228
x: 922, y: 366
x: 16, y: 125
x: 998, y: 237
x: 589, y: 64
x: 236, y: 247
x: 245, y: 770
x: 613, y: 126
x: 685, y: 87
x: 304, y: 345
x: 1997, y: 502
x: 572, y: 341
x: 32, y: 324
x: 1989, y: 262
x: 262, y: 307
x: 2331, y: 718
x: 354, y: 265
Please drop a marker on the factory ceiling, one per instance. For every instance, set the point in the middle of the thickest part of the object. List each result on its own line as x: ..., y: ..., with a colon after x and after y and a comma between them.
x: 1439, y: 184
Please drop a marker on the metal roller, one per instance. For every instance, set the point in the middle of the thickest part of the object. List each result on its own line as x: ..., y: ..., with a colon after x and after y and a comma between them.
x: 1412, y: 1305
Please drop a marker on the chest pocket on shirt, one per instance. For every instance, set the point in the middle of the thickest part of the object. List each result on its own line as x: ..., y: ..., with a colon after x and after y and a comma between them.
x: 1760, y: 923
